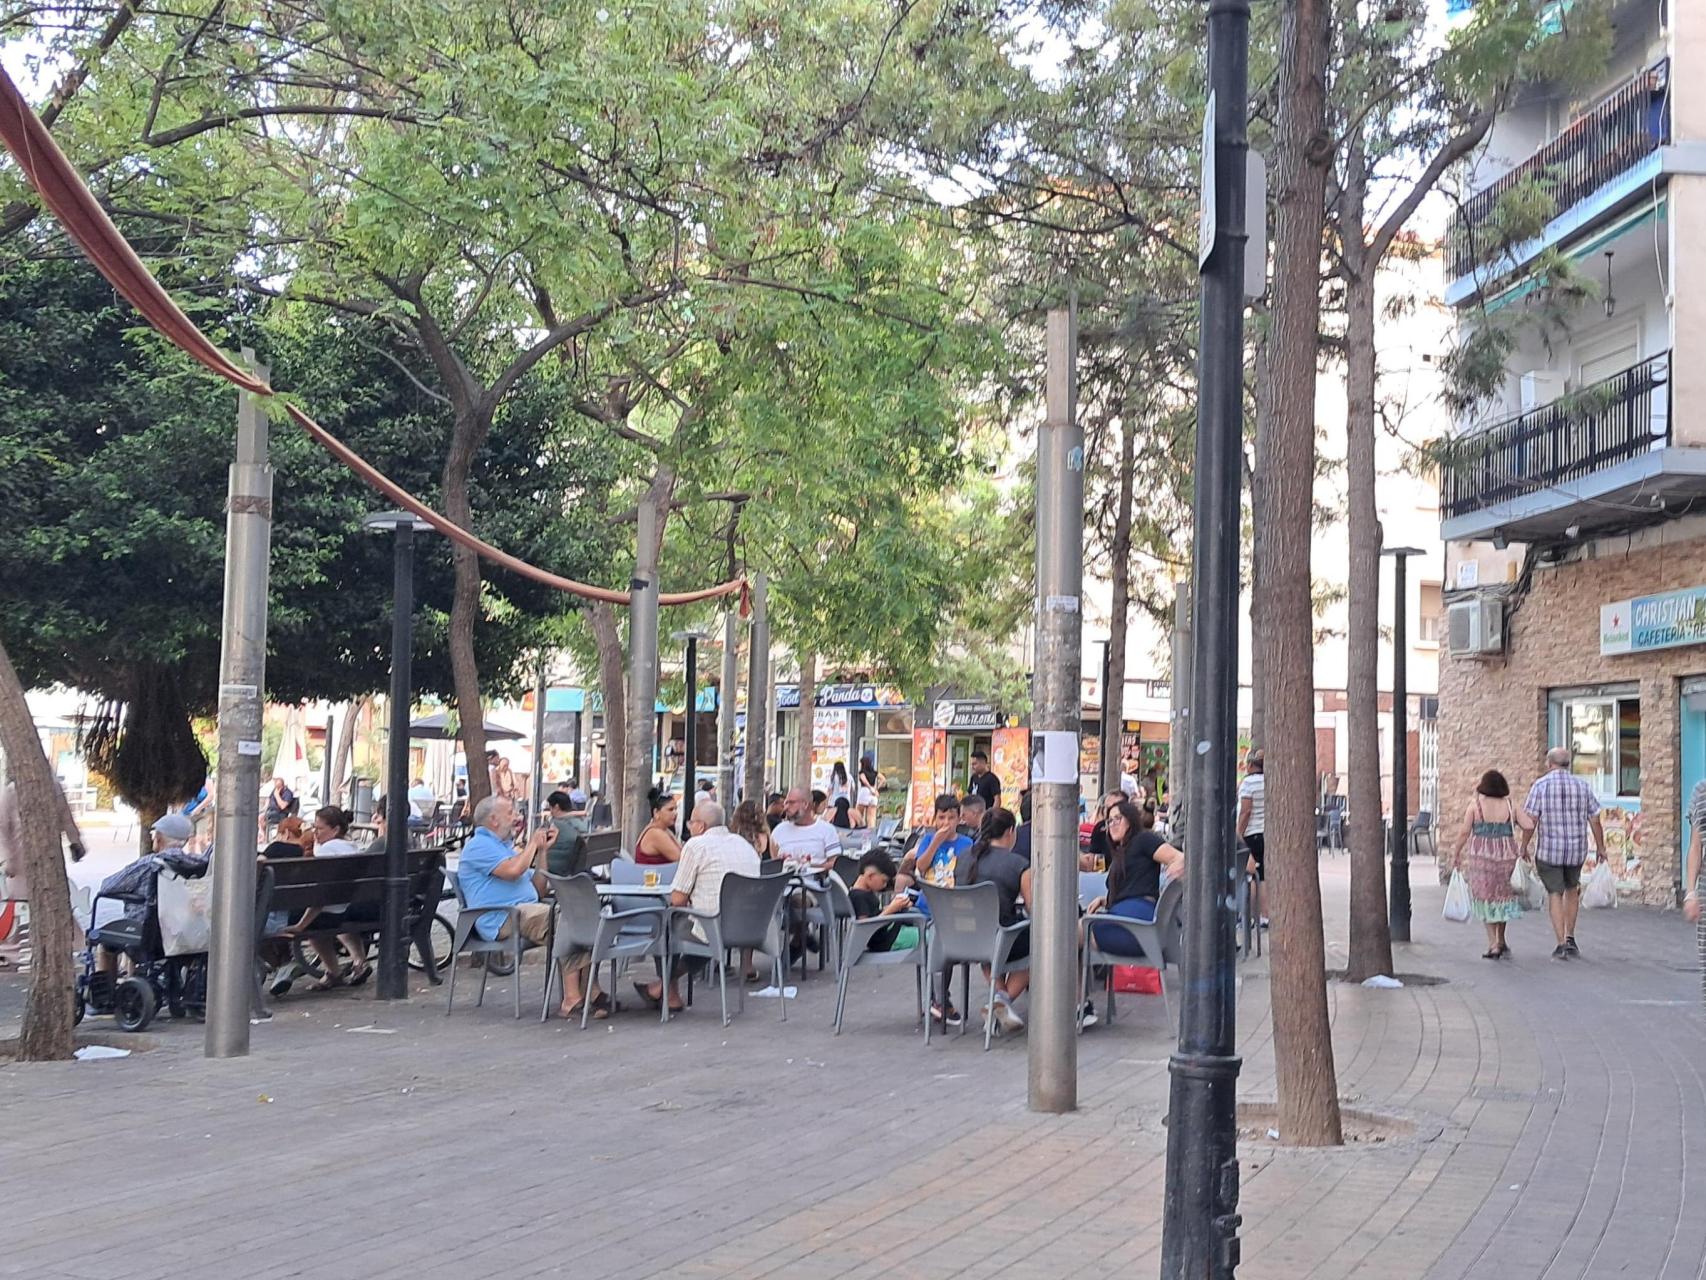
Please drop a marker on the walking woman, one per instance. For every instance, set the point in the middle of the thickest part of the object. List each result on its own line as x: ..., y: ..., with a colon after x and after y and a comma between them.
x: 1694, y: 878
x: 1487, y: 854
x: 870, y: 786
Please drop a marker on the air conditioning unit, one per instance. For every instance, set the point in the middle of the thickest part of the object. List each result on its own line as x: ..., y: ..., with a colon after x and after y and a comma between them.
x: 1477, y: 627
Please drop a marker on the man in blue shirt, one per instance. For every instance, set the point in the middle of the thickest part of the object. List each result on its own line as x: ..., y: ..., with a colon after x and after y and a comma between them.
x: 494, y: 873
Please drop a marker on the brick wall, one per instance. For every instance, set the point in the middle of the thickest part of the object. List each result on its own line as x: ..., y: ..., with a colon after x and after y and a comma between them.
x: 1493, y: 713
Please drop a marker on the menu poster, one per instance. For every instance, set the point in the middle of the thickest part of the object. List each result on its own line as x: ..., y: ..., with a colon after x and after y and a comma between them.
x: 929, y: 774
x: 1010, y: 760
x: 830, y: 729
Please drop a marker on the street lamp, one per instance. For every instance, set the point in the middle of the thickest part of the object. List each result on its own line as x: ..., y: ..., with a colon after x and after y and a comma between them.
x: 1399, y: 909
x: 393, y: 948
x: 691, y: 743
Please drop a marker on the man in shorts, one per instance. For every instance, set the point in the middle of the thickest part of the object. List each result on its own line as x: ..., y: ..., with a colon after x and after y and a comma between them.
x: 1564, y: 809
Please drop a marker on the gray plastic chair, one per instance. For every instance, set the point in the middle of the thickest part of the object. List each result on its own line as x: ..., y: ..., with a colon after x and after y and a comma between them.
x: 580, y: 923
x: 747, y: 918
x: 622, y: 871
x: 853, y: 947
x: 1162, y: 941
x: 1091, y: 885
x: 469, y: 942
x: 965, y: 928
x: 886, y: 827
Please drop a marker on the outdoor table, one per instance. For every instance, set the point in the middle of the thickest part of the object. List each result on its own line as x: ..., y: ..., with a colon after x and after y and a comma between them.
x: 608, y: 890
x: 807, y: 879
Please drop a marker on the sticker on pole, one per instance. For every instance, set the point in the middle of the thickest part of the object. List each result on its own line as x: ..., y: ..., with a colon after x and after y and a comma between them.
x: 1054, y: 756
x: 1208, y: 224
x: 1061, y: 604
x: 248, y: 747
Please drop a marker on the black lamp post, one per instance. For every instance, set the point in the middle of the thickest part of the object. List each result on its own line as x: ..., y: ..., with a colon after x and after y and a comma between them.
x: 393, y: 947
x: 1399, y: 906
x: 690, y: 743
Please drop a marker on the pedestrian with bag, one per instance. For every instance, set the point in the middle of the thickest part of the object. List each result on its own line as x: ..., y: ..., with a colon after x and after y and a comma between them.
x: 1564, y: 809
x: 1487, y: 855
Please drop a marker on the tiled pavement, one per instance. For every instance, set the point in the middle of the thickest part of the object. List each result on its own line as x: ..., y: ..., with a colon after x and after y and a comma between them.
x: 1556, y: 1108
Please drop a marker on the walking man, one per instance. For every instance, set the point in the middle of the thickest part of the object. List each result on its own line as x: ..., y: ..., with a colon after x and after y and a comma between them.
x: 1564, y: 809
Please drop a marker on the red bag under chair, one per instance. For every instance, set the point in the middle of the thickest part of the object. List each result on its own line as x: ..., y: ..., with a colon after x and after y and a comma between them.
x: 1129, y: 979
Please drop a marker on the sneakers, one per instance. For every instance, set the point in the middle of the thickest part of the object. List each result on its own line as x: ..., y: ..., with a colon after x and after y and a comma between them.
x: 951, y: 1018
x: 1264, y: 923
x: 1007, y: 1017
x: 1087, y: 1017
x: 283, y: 979
x: 1561, y: 952
x: 1571, y: 949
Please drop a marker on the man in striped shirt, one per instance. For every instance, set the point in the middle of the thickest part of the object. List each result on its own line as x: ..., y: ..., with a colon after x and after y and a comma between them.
x: 1564, y: 809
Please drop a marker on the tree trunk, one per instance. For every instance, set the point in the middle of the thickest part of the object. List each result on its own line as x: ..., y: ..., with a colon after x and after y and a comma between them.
x: 1370, y: 933
x: 47, y: 1030
x: 343, y: 759
x: 467, y: 436
x: 1113, y: 697
x: 642, y: 715
x: 613, y: 685
x: 808, y: 718
x: 1303, y: 1044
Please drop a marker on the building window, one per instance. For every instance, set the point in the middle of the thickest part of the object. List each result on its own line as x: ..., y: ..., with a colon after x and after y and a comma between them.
x: 1602, y: 729
x: 1430, y: 625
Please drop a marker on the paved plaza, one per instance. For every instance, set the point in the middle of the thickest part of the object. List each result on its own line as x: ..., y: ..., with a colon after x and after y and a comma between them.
x: 1555, y: 1107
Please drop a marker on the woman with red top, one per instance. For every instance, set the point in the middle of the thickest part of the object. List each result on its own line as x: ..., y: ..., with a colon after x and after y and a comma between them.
x: 658, y: 842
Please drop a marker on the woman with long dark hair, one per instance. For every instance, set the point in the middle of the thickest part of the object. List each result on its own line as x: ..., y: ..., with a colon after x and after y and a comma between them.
x: 840, y: 786
x: 659, y: 842
x: 748, y: 823
x: 1487, y: 854
x: 1138, y: 856
x: 991, y: 859
x: 869, y: 790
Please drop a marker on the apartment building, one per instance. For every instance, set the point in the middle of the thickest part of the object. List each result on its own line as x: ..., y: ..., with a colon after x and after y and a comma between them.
x: 1574, y: 514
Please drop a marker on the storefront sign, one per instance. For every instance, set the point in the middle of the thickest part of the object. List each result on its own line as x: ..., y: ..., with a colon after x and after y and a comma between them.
x: 829, y: 745
x: 929, y: 774
x: 852, y: 697
x: 960, y: 713
x: 1010, y: 761
x: 1664, y: 621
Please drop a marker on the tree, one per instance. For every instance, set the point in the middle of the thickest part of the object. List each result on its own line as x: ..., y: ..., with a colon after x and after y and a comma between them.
x: 114, y: 471
x: 1303, y: 1045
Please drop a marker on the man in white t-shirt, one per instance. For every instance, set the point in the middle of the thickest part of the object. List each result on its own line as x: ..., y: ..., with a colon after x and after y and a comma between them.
x: 802, y: 837
x: 423, y: 800
x: 1252, y: 798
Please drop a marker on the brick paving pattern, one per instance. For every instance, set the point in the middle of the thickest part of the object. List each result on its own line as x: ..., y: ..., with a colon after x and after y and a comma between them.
x: 1555, y: 1108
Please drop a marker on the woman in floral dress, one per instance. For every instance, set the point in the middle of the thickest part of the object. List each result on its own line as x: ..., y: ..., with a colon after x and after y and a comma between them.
x: 1487, y: 854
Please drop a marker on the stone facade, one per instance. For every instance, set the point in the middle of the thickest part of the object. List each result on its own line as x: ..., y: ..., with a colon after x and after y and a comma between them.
x: 1493, y: 711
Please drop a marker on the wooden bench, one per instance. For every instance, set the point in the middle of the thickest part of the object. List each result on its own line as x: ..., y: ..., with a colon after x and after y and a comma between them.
x: 358, y: 880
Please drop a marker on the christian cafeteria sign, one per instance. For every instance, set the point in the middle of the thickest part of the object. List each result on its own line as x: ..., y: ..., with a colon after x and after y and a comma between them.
x: 1668, y: 620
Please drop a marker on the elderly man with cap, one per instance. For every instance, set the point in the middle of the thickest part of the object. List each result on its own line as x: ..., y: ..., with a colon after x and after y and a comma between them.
x: 136, y: 882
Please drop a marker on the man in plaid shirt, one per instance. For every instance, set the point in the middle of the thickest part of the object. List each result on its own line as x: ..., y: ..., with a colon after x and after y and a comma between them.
x: 1564, y: 809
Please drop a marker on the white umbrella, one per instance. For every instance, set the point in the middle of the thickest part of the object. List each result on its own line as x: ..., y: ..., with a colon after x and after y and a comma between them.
x: 291, y: 762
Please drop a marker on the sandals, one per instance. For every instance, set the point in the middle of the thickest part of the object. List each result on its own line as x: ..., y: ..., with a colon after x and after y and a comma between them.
x: 330, y: 982
x: 601, y: 1006
x: 359, y: 975
x: 644, y: 992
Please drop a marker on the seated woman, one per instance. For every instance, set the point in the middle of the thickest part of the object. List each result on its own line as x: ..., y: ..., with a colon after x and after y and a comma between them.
x: 331, y: 832
x: 1139, y: 856
x: 992, y: 860
x: 291, y: 840
x: 843, y: 817
x: 659, y: 843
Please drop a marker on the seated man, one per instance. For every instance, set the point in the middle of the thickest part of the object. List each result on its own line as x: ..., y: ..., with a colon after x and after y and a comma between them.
x: 972, y: 811
x: 568, y: 834
x: 712, y: 852
x: 805, y: 839
x: 876, y: 874
x: 423, y: 803
x: 493, y: 873
x: 932, y: 859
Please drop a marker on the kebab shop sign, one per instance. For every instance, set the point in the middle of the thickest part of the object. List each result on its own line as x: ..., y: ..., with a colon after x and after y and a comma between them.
x: 1664, y: 621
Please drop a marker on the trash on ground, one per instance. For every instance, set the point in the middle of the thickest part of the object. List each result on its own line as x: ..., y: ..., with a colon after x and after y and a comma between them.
x: 1382, y: 982
x: 96, y: 1052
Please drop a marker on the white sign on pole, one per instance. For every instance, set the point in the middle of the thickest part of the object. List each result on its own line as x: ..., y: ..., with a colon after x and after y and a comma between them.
x: 1207, y: 222
x: 1256, y: 222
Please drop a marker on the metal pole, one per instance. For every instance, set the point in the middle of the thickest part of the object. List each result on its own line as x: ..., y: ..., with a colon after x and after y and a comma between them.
x: 1178, y: 746
x: 726, y: 711
x: 242, y: 686
x: 1108, y: 770
x: 642, y: 679
x: 393, y: 946
x: 758, y: 690
x: 326, y: 759
x: 690, y: 734
x: 1200, y: 1214
x: 1399, y: 915
x: 536, y: 795
x: 1052, y: 1051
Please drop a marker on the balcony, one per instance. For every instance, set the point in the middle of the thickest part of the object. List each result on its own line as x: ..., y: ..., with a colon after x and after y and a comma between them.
x: 1600, y: 154
x: 1600, y: 459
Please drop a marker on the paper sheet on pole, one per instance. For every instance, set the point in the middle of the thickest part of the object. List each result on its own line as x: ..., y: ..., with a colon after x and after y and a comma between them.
x: 1054, y: 756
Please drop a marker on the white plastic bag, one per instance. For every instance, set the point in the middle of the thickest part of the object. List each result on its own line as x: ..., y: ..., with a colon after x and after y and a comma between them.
x: 1525, y: 883
x: 185, y: 907
x: 1601, y: 887
x: 1457, y: 898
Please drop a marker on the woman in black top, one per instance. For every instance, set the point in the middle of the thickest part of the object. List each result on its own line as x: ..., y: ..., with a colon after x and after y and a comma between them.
x: 1139, y: 856
x: 992, y: 859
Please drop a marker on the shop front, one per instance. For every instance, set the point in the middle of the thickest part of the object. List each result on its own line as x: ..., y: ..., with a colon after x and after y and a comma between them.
x: 848, y: 721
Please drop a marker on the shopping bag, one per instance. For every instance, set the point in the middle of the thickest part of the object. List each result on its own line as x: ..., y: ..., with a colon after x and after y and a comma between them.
x: 1131, y: 979
x: 185, y: 911
x: 1525, y: 882
x: 1457, y: 898
x: 1601, y: 887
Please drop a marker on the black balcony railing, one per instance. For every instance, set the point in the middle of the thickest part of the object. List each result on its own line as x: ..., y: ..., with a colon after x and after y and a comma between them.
x: 1575, y: 436
x: 1609, y: 140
